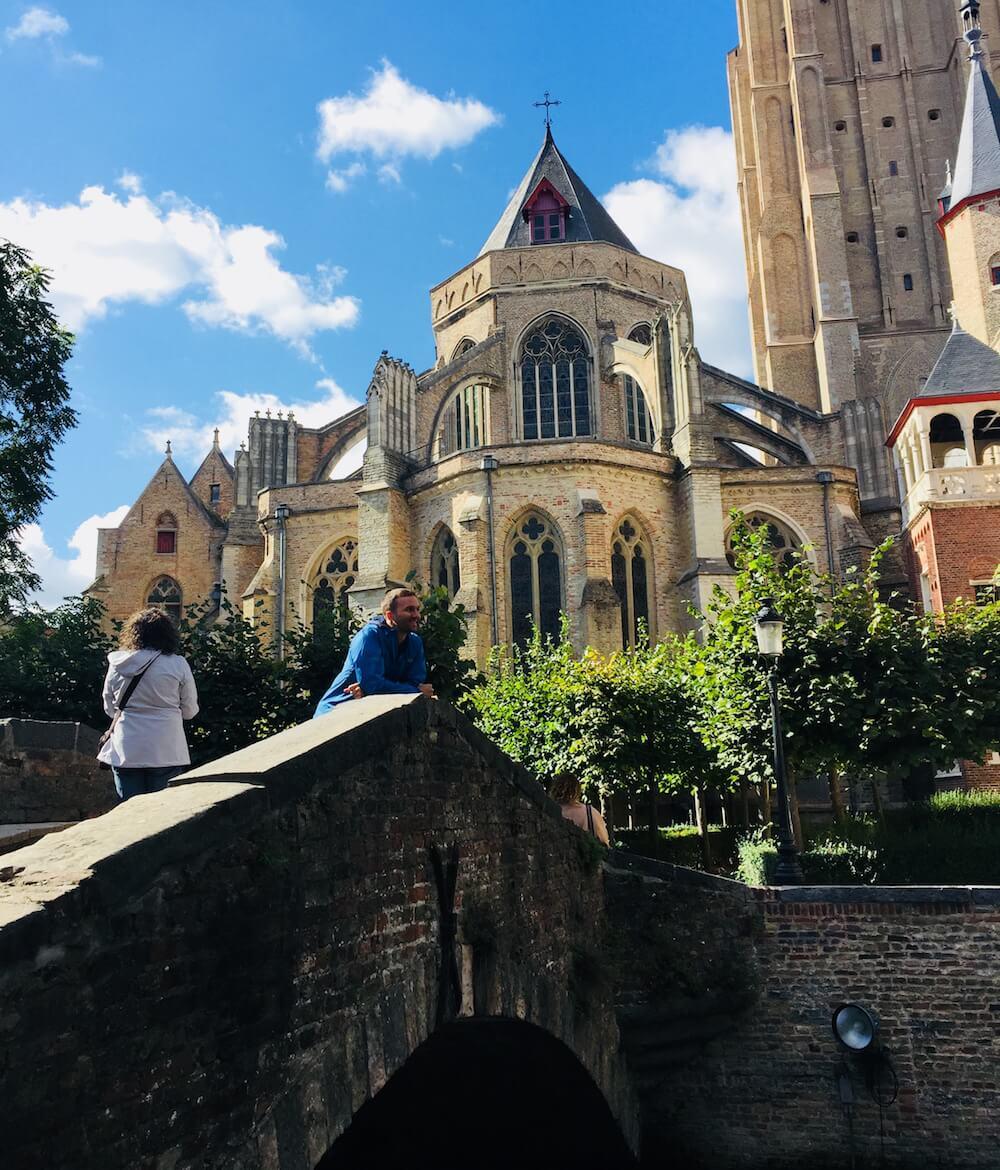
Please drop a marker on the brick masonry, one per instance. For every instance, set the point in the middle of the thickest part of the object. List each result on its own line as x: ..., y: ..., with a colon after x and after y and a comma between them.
x: 49, y: 772
x: 740, y: 1084
x: 222, y: 974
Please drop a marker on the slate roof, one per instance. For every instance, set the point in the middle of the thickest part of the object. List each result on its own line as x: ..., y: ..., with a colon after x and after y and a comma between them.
x: 587, y: 219
x: 977, y: 167
x: 966, y: 366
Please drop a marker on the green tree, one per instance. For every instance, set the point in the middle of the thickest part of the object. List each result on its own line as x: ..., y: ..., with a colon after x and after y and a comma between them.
x: 52, y: 665
x: 34, y: 411
x: 866, y: 684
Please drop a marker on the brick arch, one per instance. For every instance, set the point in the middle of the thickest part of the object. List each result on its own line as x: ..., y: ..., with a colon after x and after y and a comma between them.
x: 288, y: 976
x: 485, y: 1067
x: 767, y: 510
x: 345, y: 441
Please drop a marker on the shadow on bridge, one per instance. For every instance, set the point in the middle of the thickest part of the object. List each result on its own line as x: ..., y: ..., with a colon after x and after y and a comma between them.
x: 485, y: 1093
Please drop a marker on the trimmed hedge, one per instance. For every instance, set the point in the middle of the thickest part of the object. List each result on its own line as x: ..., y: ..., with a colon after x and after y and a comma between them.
x: 953, y: 839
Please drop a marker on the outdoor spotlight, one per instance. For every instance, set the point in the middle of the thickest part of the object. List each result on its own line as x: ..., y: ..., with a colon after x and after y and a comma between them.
x: 855, y: 1027
x: 768, y: 626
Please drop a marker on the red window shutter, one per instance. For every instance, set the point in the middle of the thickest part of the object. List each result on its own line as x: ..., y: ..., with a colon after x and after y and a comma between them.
x: 166, y: 541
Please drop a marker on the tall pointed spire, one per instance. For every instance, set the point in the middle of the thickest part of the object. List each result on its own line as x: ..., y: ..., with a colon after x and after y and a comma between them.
x: 977, y: 167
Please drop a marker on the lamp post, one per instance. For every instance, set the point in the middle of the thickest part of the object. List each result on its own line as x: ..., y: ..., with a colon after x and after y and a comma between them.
x: 768, y: 628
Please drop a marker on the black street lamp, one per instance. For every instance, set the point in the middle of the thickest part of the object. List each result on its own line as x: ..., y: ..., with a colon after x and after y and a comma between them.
x: 768, y: 627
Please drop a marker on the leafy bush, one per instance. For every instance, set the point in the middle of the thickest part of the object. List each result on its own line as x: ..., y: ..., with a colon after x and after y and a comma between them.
x: 954, y: 839
x: 681, y: 845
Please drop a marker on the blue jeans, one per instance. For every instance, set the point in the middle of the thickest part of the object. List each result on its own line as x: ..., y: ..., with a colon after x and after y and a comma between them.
x: 139, y: 781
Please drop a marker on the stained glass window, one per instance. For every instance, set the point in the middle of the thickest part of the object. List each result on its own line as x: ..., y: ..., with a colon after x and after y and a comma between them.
x: 784, y: 543
x: 536, y: 595
x: 638, y: 416
x: 445, y: 569
x: 555, y: 382
x: 337, y: 572
x: 631, y: 571
x: 166, y: 595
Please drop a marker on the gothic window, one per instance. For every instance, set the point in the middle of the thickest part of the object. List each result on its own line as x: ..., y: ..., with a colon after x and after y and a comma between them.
x: 638, y: 416
x: 337, y: 572
x: 555, y: 382
x: 534, y: 560
x: 166, y: 533
x: 445, y: 568
x: 642, y: 334
x: 466, y: 423
x: 784, y: 543
x: 214, y: 493
x: 995, y: 270
x: 463, y: 347
x: 631, y: 575
x: 166, y: 595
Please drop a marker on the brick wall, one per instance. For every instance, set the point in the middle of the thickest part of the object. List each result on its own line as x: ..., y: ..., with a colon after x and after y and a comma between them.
x: 49, y: 772
x: 741, y: 1085
x: 221, y: 974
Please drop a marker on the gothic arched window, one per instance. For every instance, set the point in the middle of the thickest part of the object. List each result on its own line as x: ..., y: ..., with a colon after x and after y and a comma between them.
x: 638, y: 416
x: 166, y: 594
x: 641, y: 334
x: 534, y: 556
x: 785, y: 545
x: 466, y: 420
x: 337, y: 572
x: 555, y: 382
x: 632, y: 577
x: 445, y: 569
x: 463, y: 347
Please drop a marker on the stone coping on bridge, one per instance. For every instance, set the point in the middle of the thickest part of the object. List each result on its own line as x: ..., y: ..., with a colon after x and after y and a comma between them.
x: 114, y: 856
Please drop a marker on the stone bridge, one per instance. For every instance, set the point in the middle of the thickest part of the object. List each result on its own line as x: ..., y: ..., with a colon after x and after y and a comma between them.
x: 373, y: 941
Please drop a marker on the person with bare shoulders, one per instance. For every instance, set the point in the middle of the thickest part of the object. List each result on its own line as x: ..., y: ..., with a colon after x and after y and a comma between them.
x: 567, y: 792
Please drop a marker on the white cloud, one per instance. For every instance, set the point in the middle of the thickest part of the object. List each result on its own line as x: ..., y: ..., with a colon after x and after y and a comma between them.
x: 387, y: 173
x: 66, y: 575
x: 339, y: 181
x: 394, y: 119
x: 38, y: 22
x: 192, y: 437
x: 129, y: 181
x: 689, y: 218
x: 107, y: 250
x: 41, y: 24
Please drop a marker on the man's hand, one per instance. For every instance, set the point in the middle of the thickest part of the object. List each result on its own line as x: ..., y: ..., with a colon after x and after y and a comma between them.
x: 354, y: 691
x: 427, y: 690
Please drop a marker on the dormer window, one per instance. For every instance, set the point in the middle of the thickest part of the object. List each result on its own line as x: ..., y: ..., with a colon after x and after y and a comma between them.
x: 546, y: 212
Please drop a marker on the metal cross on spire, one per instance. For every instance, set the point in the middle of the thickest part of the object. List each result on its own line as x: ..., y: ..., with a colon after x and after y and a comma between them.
x: 548, y: 103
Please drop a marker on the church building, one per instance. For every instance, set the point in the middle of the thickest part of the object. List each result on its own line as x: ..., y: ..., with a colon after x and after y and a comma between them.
x: 568, y: 451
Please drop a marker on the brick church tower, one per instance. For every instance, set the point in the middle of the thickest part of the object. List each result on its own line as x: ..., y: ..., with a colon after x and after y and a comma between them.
x: 946, y: 440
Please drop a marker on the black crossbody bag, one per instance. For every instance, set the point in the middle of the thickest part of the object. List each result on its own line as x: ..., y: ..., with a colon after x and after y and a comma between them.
x: 121, y: 705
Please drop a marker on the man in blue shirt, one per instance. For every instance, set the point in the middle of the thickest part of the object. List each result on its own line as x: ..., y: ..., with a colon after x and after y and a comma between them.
x: 386, y: 656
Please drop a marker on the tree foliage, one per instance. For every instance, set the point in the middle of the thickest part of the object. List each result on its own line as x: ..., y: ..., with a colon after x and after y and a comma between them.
x: 34, y: 411
x: 866, y: 684
x: 620, y: 723
x: 52, y: 665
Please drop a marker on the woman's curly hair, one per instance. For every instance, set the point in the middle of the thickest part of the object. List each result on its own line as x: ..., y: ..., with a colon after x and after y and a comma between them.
x: 565, y: 788
x: 150, y: 629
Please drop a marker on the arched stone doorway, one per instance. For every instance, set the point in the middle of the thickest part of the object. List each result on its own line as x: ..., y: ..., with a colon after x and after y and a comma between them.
x: 485, y: 1093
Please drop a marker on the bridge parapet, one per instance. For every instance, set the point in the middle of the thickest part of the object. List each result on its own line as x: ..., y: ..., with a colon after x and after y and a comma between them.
x: 222, y: 974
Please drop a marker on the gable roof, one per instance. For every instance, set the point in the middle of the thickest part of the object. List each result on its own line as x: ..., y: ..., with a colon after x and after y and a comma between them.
x: 168, y: 470
x: 587, y: 219
x: 977, y: 167
x: 966, y: 366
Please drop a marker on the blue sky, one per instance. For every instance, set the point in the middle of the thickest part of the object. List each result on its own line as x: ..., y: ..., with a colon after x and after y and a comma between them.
x: 242, y: 200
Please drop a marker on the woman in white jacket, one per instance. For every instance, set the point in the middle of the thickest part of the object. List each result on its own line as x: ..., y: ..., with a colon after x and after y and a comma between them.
x: 147, y: 748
